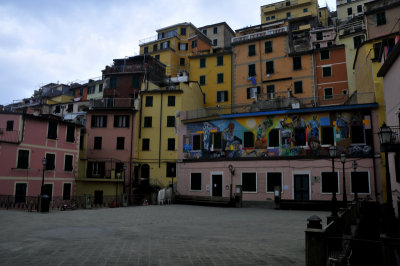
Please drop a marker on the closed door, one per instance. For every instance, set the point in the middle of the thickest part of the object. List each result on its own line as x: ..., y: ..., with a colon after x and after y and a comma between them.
x: 217, y: 185
x: 20, y: 192
x: 301, y: 187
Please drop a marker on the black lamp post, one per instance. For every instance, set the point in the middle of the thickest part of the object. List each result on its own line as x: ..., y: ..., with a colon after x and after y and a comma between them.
x: 232, y: 171
x: 44, y: 162
x: 332, y: 154
x: 355, y: 189
x: 343, y: 160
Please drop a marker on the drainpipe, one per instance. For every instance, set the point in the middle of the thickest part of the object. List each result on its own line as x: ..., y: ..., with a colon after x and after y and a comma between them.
x: 130, y: 157
x: 159, y: 146
x: 261, y: 74
x: 373, y: 164
x: 314, y: 81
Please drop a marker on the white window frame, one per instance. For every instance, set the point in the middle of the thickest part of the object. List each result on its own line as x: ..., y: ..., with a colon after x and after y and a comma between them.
x: 338, y: 179
x: 322, y: 69
x: 369, y: 184
x: 266, y: 181
x: 73, y: 158
x: 325, y: 93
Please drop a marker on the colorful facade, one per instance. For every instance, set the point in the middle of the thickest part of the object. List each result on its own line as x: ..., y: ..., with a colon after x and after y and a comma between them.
x: 288, y: 9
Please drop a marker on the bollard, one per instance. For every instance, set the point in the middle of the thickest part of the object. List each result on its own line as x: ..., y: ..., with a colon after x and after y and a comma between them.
x: 314, y: 222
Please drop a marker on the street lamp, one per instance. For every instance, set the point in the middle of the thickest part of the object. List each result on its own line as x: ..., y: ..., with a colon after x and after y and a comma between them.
x: 343, y: 160
x: 332, y: 154
x: 44, y: 162
x: 355, y: 189
x: 232, y: 171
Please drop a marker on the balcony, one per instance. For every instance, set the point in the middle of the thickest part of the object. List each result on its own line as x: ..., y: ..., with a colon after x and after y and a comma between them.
x: 351, y: 28
x: 157, y: 38
x: 12, y: 136
x: 112, y: 103
x: 120, y: 68
x: 280, y: 101
x: 259, y: 35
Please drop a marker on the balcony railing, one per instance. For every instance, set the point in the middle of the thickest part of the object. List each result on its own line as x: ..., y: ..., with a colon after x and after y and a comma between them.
x: 112, y: 103
x: 120, y: 68
x: 12, y: 136
x: 350, y: 28
x: 157, y: 38
x: 277, y: 101
x: 259, y: 34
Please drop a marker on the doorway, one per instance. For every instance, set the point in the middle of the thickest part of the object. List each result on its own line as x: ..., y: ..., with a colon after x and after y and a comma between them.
x: 216, y: 180
x: 301, y: 187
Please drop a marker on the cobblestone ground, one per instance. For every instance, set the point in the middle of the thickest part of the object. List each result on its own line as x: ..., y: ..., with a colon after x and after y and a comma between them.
x: 154, y: 235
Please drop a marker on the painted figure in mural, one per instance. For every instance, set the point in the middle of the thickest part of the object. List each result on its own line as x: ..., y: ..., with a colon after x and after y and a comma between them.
x: 206, y: 136
x: 314, y: 125
x: 299, y: 135
x: 232, y: 144
x: 286, y: 132
x: 298, y: 122
x: 343, y: 125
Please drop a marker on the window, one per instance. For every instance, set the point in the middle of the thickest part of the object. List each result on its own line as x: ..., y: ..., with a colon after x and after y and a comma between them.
x: 253, y: 92
x: 100, y: 87
x: 136, y: 81
x: 10, y: 125
x: 274, y: 180
x: 215, y: 30
x: 205, y: 32
x: 380, y: 18
x: 70, y: 134
x: 121, y: 121
x: 305, y: 10
x: 222, y: 96
x: 288, y: 14
x: 195, y: 181
x: 155, y: 47
x: 170, y: 121
x: 270, y: 91
x: 194, y: 43
x: 171, y: 169
x: 357, y: 41
x: 183, y: 31
x: 147, y: 121
x: 70, y: 108
x: 165, y: 45
x: 171, y: 144
x: 360, y: 182
x: 359, y: 9
x: 299, y: 136
x: 252, y: 70
x: 182, y: 61
x: 52, y: 130
x: 324, y: 54
x: 248, y: 139
x: 267, y: 18
x: 327, y: 136
x: 50, y: 161
x: 149, y: 101
x: 97, y: 143
x: 326, y: 71
x: 329, y: 44
x: 349, y: 11
x: 183, y: 46
x: 113, y: 82
x: 287, y: 3
x: 20, y: 192
x: 171, y: 100
x: 196, y: 142
x: 157, y: 57
x: 202, y: 80
x: 328, y: 93
x: 99, y: 121
x: 220, y: 60
x: 202, y: 62
x: 298, y: 87
x: 217, y: 140
x: 145, y: 144
x: 252, y: 50
x: 273, y: 138
x: 296, y: 62
x: 146, y: 50
x: 357, y: 134
x: 272, y: 17
x: 317, y: 46
x: 96, y: 169
x: 249, y: 182
x: 58, y: 110
x: 23, y: 159
x: 66, y: 191
x: 329, y: 182
x: 220, y: 78
x: 120, y: 143
x: 319, y: 36
x: 68, y: 162
x: 268, y: 47
x: 215, y: 42
x: 270, y: 67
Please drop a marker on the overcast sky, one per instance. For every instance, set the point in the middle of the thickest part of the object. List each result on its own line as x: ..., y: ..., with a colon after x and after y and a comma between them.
x: 45, y: 41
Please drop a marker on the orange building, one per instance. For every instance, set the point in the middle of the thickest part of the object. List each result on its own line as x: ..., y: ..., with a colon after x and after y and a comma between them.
x: 331, y: 75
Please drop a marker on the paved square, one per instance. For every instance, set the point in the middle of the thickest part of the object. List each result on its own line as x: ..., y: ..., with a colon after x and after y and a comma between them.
x: 154, y: 235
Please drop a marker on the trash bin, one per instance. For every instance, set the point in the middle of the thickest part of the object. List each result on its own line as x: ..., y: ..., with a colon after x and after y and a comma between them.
x: 44, y: 203
x: 88, y: 201
x: 238, y: 196
x: 277, y: 196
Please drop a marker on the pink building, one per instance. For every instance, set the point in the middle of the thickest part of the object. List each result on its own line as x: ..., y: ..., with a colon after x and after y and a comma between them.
x: 24, y: 141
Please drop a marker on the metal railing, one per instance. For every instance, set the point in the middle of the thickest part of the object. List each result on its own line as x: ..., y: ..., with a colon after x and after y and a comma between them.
x: 259, y: 34
x: 112, y: 103
x: 120, y: 68
x: 12, y: 136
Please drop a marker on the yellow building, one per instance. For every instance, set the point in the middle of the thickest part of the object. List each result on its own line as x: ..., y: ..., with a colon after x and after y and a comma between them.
x: 348, y: 9
x: 213, y: 71
x: 156, y: 139
x: 288, y: 9
x: 172, y: 45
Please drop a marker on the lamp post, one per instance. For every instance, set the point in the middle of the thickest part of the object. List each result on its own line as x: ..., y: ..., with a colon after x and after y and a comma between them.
x: 44, y: 162
x: 124, y: 167
x: 332, y: 154
x: 385, y: 138
x: 232, y: 171
x: 343, y: 160
x: 355, y: 189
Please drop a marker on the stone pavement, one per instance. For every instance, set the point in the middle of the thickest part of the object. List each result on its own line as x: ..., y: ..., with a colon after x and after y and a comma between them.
x: 154, y: 235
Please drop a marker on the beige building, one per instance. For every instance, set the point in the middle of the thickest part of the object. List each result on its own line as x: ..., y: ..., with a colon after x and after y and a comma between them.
x: 220, y: 34
x: 289, y: 9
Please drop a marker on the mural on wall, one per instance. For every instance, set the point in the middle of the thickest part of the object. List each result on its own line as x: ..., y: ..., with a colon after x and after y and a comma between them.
x: 285, y: 135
